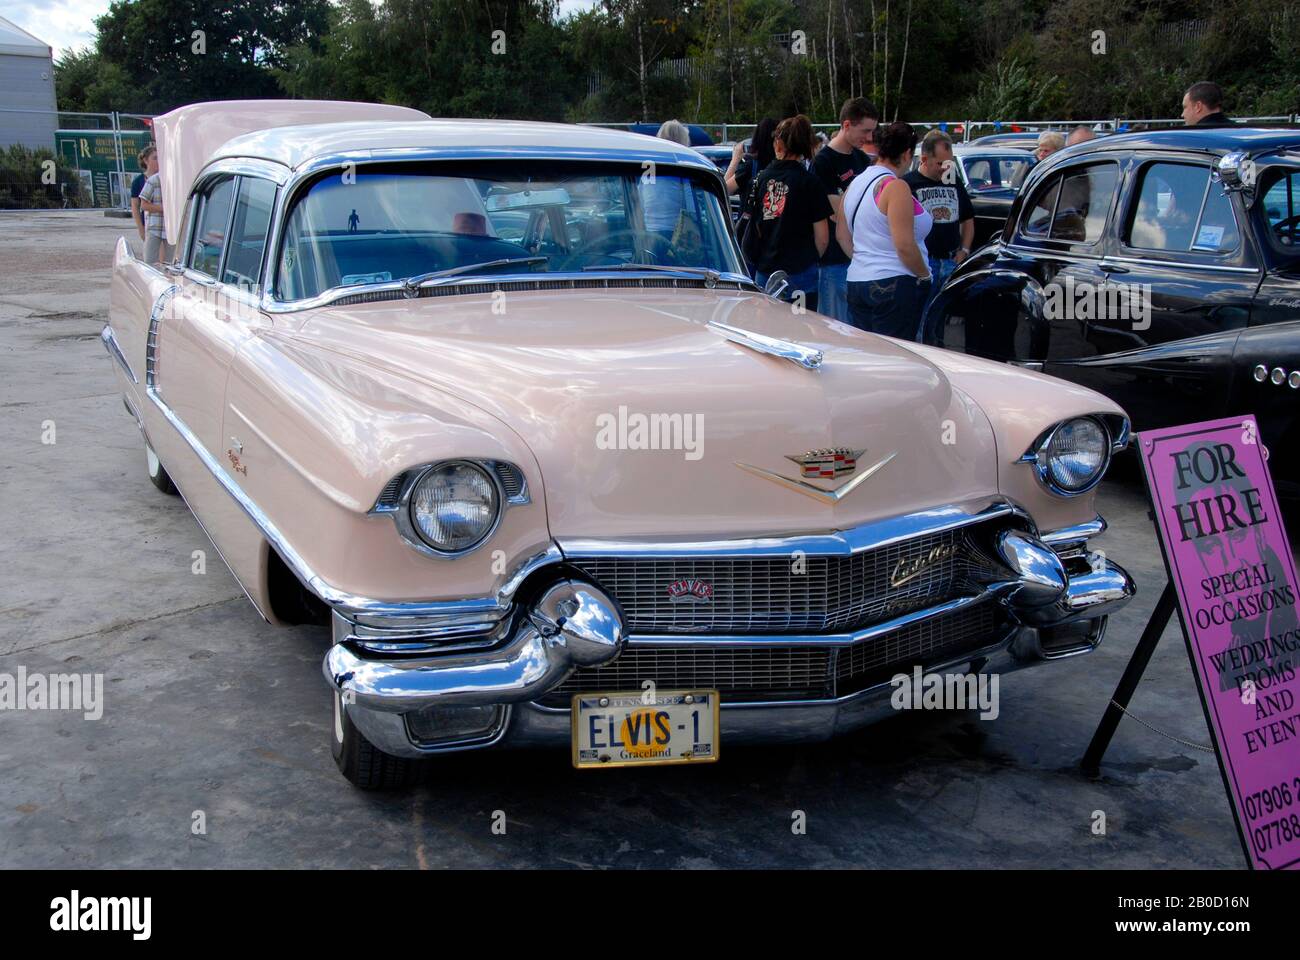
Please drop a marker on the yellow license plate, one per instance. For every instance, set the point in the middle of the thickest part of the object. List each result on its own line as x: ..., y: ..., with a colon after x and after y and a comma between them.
x: 643, y: 729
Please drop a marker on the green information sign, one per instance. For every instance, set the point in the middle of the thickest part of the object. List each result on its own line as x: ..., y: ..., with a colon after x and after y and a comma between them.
x: 105, y: 160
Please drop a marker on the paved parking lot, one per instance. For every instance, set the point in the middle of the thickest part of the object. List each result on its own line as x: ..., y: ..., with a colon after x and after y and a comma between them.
x: 208, y: 709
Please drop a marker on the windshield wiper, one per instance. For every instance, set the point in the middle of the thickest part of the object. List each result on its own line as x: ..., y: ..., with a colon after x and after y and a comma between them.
x: 411, y: 285
x: 711, y: 276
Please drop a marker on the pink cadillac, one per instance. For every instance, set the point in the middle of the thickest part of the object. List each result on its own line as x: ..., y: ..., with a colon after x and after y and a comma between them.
x: 497, y: 402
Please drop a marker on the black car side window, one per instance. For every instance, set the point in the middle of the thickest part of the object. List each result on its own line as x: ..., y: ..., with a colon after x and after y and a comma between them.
x: 1182, y: 209
x: 1073, y: 206
x: 1039, y: 218
x: 1084, y: 202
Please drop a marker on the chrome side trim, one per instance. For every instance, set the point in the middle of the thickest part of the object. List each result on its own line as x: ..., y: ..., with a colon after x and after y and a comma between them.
x: 109, y: 340
x: 806, y: 357
x: 869, y: 536
x: 1190, y: 265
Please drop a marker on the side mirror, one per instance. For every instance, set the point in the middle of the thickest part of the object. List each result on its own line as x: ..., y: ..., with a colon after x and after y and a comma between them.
x: 777, y: 282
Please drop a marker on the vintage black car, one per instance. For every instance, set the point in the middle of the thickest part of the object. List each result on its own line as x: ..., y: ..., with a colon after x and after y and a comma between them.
x: 1160, y: 268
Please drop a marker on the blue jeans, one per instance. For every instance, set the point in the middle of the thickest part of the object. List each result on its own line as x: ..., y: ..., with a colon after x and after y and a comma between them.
x: 805, y: 280
x: 833, y: 292
x: 941, y: 269
x: 890, y: 307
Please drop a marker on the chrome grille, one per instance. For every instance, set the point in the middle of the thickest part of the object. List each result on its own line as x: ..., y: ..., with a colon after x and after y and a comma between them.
x: 813, y: 594
x: 762, y: 673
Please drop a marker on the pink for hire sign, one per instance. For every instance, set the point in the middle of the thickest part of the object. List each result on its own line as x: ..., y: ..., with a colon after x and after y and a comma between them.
x: 1231, y: 565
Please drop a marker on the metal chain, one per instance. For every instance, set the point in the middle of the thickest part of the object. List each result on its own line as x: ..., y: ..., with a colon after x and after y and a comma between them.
x: 1185, y: 743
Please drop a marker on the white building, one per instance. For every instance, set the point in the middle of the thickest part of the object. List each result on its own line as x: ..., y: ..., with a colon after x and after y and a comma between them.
x: 28, y: 112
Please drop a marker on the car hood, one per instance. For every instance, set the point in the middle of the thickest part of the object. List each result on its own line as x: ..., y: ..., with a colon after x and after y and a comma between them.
x: 594, y: 381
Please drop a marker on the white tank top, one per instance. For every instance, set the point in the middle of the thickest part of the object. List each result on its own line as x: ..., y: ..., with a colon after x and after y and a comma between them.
x: 874, y: 255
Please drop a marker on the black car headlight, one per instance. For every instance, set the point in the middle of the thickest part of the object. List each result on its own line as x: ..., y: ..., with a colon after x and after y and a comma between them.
x: 1071, y: 457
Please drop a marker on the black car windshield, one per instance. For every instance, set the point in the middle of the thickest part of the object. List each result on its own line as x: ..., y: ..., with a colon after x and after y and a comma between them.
x: 1279, y: 191
x: 379, y: 224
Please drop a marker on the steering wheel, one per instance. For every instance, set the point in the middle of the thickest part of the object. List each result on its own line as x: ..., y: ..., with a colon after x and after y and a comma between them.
x: 650, y: 246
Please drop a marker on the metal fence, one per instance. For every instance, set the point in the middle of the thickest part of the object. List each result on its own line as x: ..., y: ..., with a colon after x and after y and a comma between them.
x: 94, y: 154
x: 966, y: 130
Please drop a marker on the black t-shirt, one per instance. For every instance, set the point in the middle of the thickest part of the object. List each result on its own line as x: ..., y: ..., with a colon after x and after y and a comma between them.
x: 949, y: 204
x: 137, y: 185
x: 836, y: 171
x: 786, y: 201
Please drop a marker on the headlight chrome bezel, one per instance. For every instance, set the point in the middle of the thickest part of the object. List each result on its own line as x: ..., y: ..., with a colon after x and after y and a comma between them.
x: 1114, y: 430
x: 396, y: 500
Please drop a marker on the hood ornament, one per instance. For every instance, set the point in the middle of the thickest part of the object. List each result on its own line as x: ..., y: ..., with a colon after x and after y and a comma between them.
x: 806, y: 357
x: 826, y: 466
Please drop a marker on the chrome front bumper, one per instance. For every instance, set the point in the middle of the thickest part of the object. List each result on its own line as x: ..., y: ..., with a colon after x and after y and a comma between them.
x: 574, y: 624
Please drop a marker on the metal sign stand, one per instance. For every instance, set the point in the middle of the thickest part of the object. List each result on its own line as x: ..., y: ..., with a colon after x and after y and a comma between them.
x: 1137, y: 665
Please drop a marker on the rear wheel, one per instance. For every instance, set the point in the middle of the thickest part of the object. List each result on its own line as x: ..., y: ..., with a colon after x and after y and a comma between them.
x: 157, y: 475
x: 364, y: 764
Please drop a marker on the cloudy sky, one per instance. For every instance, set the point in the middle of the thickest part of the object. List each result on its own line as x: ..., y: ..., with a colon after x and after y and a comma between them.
x: 68, y: 24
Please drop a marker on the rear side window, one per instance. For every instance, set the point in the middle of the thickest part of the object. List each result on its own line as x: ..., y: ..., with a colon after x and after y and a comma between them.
x: 248, y: 232
x: 1181, y: 209
x: 209, y: 238
x: 1073, y: 207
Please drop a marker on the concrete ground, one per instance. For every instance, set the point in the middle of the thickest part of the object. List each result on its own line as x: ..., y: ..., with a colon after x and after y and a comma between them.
x: 210, y: 710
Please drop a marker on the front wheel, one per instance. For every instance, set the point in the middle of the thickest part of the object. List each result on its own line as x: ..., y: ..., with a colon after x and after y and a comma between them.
x: 364, y: 764
x: 157, y: 475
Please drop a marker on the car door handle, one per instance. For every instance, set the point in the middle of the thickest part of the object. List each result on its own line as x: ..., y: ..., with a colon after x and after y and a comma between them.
x: 1112, y: 268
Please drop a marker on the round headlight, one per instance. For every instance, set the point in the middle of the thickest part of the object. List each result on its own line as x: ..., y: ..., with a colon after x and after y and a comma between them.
x: 1075, y: 455
x: 454, y: 506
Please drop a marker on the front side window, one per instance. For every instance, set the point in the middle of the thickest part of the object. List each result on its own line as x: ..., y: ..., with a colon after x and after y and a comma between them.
x: 396, y: 221
x: 1181, y: 209
x: 1038, y: 220
x: 209, y: 237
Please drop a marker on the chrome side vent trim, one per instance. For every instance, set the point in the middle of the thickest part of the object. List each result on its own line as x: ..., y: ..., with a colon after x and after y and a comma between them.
x: 151, y: 339
x: 512, y: 480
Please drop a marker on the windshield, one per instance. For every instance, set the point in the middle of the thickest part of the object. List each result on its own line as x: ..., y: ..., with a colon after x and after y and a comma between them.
x: 389, y: 223
x: 1279, y: 193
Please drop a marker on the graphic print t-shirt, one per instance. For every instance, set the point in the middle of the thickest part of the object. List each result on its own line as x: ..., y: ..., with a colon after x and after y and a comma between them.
x: 836, y: 171
x: 786, y: 202
x: 949, y: 204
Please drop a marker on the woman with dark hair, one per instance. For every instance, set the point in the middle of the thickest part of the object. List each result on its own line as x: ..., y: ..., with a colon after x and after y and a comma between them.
x: 750, y: 158
x: 883, y: 230
x: 789, y: 215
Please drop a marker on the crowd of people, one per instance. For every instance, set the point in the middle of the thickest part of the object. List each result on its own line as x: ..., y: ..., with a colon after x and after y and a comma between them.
x: 862, y: 236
